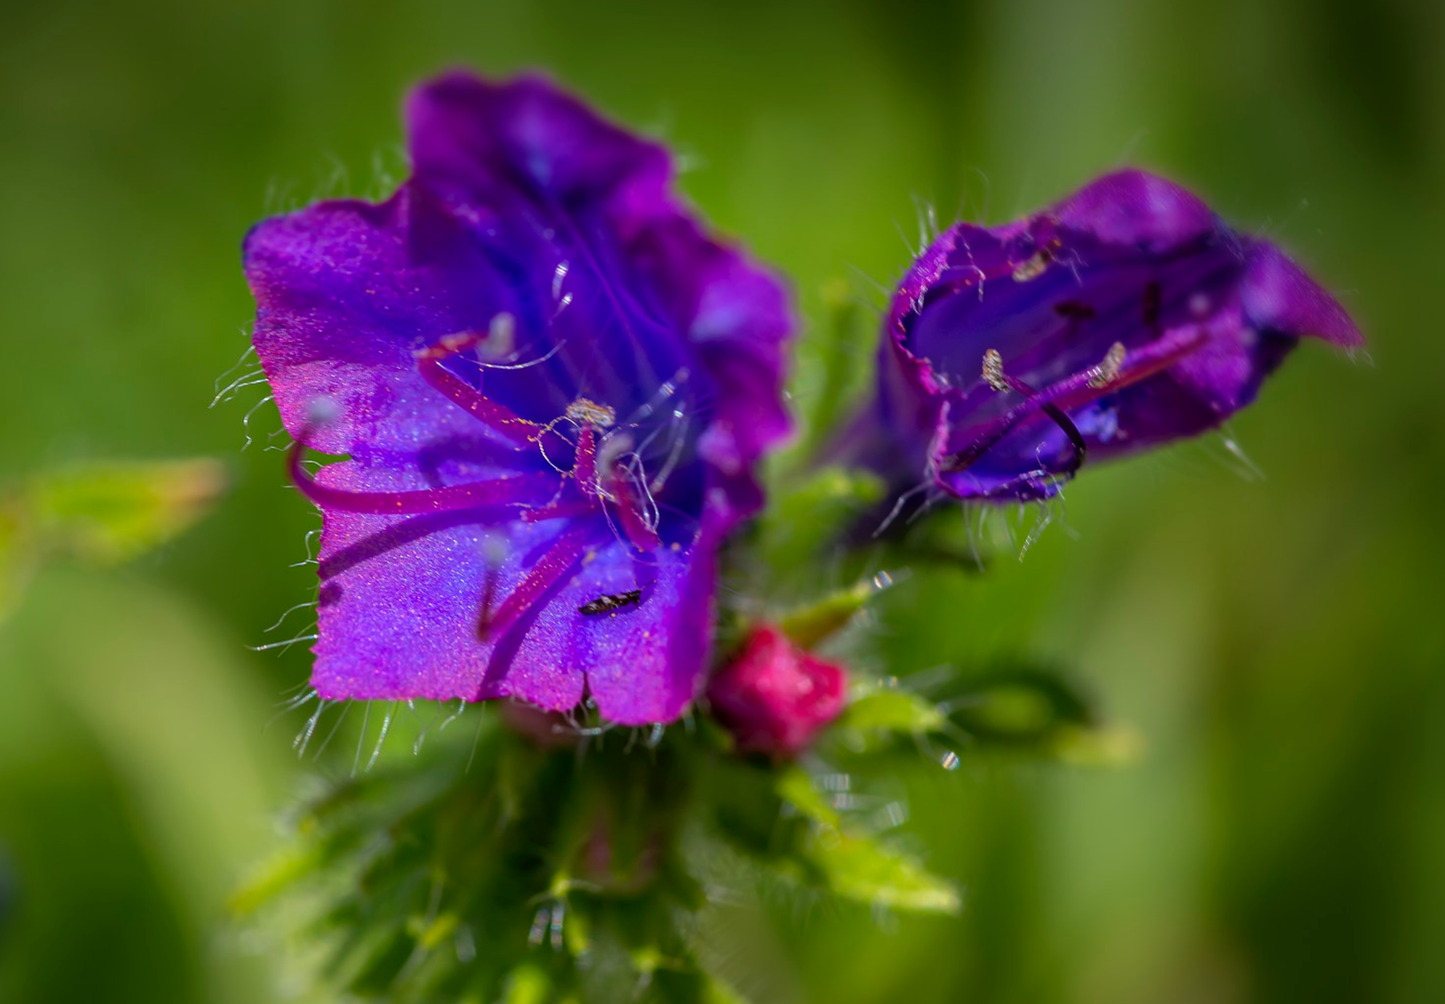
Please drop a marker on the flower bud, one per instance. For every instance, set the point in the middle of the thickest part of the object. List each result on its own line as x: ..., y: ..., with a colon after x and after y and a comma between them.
x: 774, y: 697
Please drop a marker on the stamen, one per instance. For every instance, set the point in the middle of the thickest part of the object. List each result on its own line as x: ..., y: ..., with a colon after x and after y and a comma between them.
x: 522, y: 489
x: 501, y: 336
x: 1033, y: 267
x: 667, y: 390
x: 496, y: 342
x: 1108, y: 371
x: 491, y: 414
x: 585, y: 412
x: 584, y: 467
x: 995, y: 377
x: 639, y: 532
x: 610, y: 452
x: 1076, y: 390
x: 560, y: 562
x: 1159, y: 355
x: 526, y: 365
x: 993, y: 370
x: 679, y: 441
x: 559, y: 510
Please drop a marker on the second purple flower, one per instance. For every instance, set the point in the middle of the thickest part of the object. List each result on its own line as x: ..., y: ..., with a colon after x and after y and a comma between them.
x: 1122, y: 318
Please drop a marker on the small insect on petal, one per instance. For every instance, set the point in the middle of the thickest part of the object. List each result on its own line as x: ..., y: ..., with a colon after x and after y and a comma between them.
x: 611, y: 604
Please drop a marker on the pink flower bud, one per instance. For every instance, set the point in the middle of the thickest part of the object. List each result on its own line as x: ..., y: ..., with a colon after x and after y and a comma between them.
x: 774, y: 696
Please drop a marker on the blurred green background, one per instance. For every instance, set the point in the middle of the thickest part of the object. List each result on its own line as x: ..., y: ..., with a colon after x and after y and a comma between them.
x: 1279, y: 642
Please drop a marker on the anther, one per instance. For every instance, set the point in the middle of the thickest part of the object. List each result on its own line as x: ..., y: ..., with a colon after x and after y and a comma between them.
x: 995, y: 377
x: 585, y: 412
x: 993, y: 370
x: 321, y: 411
x: 1032, y: 267
x: 446, y: 345
x: 498, y: 342
x: 1108, y: 371
x: 501, y: 336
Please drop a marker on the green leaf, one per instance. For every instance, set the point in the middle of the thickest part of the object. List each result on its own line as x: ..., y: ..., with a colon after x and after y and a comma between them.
x: 1014, y: 709
x: 277, y: 874
x: 109, y: 512
x: 378, y: 959
x: 812, y: 623
x: 1117, y: 746
x: 796, y: 788
x: 892, y: 709
x: 1040, y: 711
x: 1022, y: 706
x: 430, y: 934
x: 715, y: 991
x: 855, y: 867
x: 577, y: 933
x: 527, y: 984
x: 859, y: 869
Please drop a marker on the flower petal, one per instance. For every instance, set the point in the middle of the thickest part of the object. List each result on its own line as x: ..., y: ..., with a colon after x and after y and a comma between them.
x: 643, y: 660
x: 1279, y: 296
x: 1135, y: 207
x: 605, y: 195
x: 739, y: 318
x: 402, y: 600
x: 493, y: 139
x: 346, y: 293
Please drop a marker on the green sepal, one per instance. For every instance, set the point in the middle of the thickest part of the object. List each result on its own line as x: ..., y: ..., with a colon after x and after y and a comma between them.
x: 877, y: 708
x: 813, y: 623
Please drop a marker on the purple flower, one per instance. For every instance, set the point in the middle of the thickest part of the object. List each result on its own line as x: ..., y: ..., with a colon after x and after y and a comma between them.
x: 553, y: 388
x: 1122, y: 318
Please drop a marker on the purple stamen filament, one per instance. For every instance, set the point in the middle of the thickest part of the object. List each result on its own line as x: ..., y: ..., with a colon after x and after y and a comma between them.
x: 634, y: 527
x: 559, y: 563
x: 1076, y: 390
x: 491, y: 414
x: 520, y: 489
x: 584, y: 467
x: 995, y: 377
x: 539, y: 496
